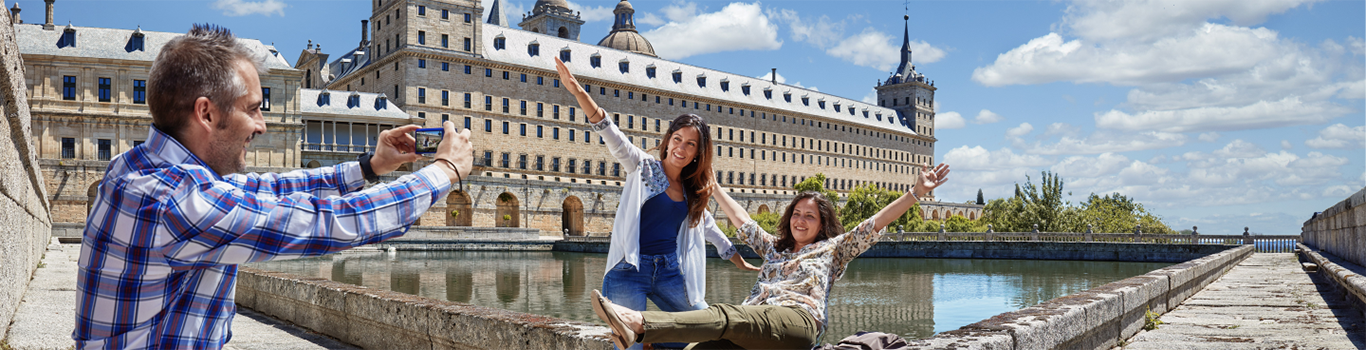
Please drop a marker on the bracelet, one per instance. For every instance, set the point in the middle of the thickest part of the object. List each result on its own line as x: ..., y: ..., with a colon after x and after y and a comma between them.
x: 451, y: 165
x: 601, y: 112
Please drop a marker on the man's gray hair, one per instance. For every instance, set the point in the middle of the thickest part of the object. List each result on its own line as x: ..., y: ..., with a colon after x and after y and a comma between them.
x: 197, y: 64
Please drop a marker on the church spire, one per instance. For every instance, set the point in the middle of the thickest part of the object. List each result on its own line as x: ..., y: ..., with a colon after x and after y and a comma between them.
x: 906, y: 71
x: 496, y: 16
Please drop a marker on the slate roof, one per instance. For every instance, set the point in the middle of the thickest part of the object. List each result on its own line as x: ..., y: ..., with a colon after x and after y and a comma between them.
x: 516, y: 54
x: 113, y: 43
x: 337, y: 105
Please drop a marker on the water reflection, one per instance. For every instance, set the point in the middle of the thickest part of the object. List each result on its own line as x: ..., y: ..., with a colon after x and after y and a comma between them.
x: 912, y: 297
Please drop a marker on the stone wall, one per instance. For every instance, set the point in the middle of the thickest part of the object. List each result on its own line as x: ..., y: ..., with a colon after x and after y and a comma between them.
x: 1094, y: 319
x: 23, y: 199
x: 1340, y: 230
x: 1082, y: 251
x: 378, y: 319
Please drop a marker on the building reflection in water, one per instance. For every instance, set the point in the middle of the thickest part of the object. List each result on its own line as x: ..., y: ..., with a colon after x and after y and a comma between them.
x: 911, y: 297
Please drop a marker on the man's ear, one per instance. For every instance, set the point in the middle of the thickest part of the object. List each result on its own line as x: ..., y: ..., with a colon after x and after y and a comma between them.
x: 205, y: 114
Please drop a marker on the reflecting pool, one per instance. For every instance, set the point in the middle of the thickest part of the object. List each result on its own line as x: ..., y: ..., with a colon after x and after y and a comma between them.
x: 911, y: 297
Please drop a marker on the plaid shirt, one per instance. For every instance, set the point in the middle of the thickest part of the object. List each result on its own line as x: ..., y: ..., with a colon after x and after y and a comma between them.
x: 158, y: 263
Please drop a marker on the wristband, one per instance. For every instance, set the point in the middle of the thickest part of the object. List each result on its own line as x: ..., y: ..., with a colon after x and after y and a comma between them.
x: 451, y: 165
x: 365, y: 168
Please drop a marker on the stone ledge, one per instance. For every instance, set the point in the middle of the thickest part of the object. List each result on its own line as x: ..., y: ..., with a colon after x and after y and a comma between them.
x: 1094, y: 319
x: 1344, y: 274
x: 373, y: 318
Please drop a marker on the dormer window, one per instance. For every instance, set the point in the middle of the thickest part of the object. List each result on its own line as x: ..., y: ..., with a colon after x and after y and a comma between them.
x: 353, y: 101
x: 768, y: 93
x: 701, y: 80
x: 806, y: 101
x: 820, y: 103
x: 837, y: 107
x: 865, y: 113
x: 533, y: 49
x: 678, y: 76
x: 650, y: 71
x: 595, y: 61
x: 624, y: 66
x: 68, y: 37
x: 745, y: 89
x: 879, y: 117
x: 725, y: 85
x: 324, y: 98
x: 381, y: 102
x: 500, y: 42
x: 787, y: 96
x: 137, y: 40
x: 564, y: 55
x: 851, y: 110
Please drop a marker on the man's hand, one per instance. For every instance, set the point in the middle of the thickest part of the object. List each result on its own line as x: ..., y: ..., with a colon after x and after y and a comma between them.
x: 456, y: 147
x: 395, y: 148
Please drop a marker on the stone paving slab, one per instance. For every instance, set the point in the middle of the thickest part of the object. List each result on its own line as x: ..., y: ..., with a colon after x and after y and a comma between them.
x: 1266, y: 302
x: 46, y: 316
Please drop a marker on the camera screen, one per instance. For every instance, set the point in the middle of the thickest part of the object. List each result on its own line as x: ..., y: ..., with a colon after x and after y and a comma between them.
x: 426, y: 140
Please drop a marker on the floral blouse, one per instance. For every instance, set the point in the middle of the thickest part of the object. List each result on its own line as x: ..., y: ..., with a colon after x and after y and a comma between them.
x: 803, y: 279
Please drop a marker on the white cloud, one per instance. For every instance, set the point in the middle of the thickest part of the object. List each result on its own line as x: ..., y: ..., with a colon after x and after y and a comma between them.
x: 1021, y: 130
x: 1148, y: 20
x: 650, y: 19
x: 1061, y: 129
x: 769, y: 76
x: 1083, y: 166
x: 1339, y: 136
x: 510, y: 10
x: 978, y: 158
x: 875, y: 49
x: 593, y: 13
x: 738, y: 26
x: 870, y: 98
x: 949, y: 120
x: 820, y: 33
x: 1263, y: 114
x: 987, y: 117
x: 1101, y: 142
x: 1285, y: 144
x: 243, y: 8
x: 1239, y: 149
x: 680, y: 11
x: 1209, y: 137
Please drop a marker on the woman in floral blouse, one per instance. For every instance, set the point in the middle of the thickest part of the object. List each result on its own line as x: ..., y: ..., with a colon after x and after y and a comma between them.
x: 787, y: 307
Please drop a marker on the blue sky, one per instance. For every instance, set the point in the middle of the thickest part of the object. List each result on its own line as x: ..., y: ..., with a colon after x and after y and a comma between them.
x: 1216, y: 113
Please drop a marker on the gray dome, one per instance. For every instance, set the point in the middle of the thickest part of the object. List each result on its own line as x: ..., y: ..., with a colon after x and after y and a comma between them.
x: 551, y: 3
x: 628, y: 40
x: 621, y: 6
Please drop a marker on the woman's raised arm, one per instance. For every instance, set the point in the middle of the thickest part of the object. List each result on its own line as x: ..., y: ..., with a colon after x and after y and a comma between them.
x: 734, y: 211
x: 927, y: 181
x: 590, y: 108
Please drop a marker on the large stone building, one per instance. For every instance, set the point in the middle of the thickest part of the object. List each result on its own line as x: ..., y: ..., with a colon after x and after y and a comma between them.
x: 539, y: 165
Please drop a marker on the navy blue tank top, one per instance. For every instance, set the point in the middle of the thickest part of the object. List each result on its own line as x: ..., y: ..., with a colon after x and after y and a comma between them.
x: 660, y: 219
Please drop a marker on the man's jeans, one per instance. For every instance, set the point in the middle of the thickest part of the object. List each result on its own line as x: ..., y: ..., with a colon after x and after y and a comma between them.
x: 658, y: 279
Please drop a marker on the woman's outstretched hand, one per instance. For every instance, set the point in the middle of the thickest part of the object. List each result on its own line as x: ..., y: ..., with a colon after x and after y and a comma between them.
x: 590, y: 108
x: 929, y: 179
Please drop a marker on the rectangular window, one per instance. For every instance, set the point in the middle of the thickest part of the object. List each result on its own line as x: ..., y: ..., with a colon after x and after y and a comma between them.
x: 104, y: 90
x: 488, y: 103
x: 421, y: 63
x: 445, y: 66
x: 505, y: 128
x: 467, y: 100
x: 540, y: 163
x: 505, y: 159
x: 488, y: 158
x: 140, y: 91
x: 467, y: 18
x: 467, y: 45
x: 616, y: 169
x: 571, y: 135
x: 104, y: 149
x: 555, y: 112
x: 555, y: 164
x: 445, y: 98
x: 521, y: 161
x: 523, y: 107
x: 523, y: 77
x: 69, y: 88
x: 467, y: 122
x: 523, y: 129
x: 68, y: 148
x: 445, y: 14
x: 571, y: 114
x: 540, y: 80
x: 265, y: 99
x: 421, y: 10
x: 602, y: 168
x: 467, y: 69
x: 421, y: 37
x: 488, y: 72
x: 488, y: 125
x: 505, y: 105
x: 540, y: 132
x: 540, y: 110
x: 572, y: 165
x: 445, y: 41
x: 555, y: 133
x: 421, y: 95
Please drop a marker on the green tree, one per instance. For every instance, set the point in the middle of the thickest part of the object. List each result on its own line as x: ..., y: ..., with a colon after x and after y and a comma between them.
x: 817, y: 184
x: 768, y: 221
x: 979, y: 197
x: 1117, y: 213
x: 867, y: 199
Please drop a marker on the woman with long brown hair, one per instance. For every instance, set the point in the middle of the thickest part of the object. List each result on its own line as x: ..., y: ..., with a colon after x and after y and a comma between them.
x: 786, y: 309
x: 657, y: 251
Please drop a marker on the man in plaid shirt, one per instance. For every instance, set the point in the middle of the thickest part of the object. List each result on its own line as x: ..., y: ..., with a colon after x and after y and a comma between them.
x: 174, y: 216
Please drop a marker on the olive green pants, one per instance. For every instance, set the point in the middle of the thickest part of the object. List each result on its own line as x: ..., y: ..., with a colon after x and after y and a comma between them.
x: 725, y: 326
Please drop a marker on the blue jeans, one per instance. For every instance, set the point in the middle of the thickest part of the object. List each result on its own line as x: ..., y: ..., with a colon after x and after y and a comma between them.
x: 658, y: 279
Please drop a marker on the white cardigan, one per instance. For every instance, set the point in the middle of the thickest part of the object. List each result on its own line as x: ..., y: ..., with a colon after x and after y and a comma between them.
x: 645, y: 178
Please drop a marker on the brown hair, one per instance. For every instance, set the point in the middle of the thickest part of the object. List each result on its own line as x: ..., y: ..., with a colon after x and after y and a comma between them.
x: 197, y: 64
x: 696, y: 176
x: 830, y: 224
